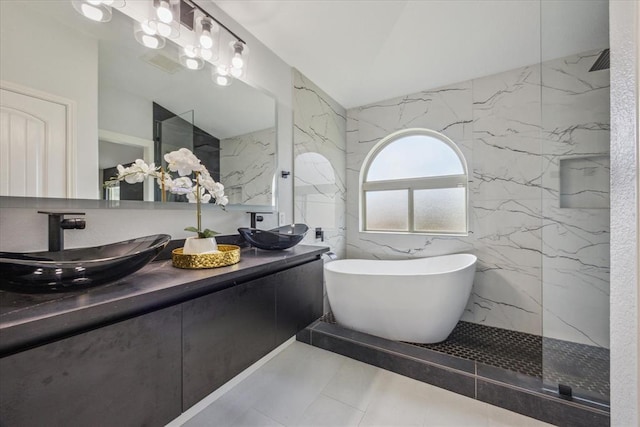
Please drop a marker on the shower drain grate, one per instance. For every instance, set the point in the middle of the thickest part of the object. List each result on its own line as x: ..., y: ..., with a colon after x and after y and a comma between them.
x: 584, y: 367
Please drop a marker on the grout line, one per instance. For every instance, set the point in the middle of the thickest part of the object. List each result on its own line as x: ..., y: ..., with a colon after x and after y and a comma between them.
x: 264, y: 415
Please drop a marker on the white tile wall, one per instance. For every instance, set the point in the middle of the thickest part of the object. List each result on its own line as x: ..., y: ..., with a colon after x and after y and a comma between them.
x: 247, y: 165
x: 319, y: 150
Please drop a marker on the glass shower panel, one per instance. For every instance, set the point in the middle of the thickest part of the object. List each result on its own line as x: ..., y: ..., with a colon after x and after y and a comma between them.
x: 575, y: 198
x: 172, y: 134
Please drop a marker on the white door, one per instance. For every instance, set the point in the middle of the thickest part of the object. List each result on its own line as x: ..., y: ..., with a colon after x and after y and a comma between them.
x: 36, y: 144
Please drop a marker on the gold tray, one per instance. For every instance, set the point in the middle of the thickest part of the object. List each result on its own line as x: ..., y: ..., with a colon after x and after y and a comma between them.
x: 228, y: 255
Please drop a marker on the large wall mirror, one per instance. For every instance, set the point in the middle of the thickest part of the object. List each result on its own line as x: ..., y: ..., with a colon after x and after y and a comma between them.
x: 121, y: 101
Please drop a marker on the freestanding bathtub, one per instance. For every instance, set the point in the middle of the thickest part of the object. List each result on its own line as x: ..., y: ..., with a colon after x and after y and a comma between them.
x: 417, y: 300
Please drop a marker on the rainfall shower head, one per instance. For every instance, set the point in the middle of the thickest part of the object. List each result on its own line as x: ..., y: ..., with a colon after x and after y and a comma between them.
x: 602, y: 63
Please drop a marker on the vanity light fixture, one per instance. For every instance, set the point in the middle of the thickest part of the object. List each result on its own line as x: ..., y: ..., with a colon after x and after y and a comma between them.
x: 97, y: 10
x: 238, y: 58
x: 190, y: 58
x: 221, y: 76
x: 206, y: 31
x: 164, y: 17
x: 148, y: 36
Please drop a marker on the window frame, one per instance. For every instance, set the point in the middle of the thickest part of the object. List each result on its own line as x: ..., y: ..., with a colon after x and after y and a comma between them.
x: 412, y: 184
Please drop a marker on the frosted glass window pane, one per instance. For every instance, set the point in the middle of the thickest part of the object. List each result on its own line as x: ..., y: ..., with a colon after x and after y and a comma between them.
x: 387, y: 210
x: 414, y: 156
x: 440, y: 210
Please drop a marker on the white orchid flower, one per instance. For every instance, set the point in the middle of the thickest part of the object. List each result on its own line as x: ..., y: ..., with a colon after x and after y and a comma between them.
x: 136, y: 172
x: 182, y: 185
x: 183, y: 161
x: 222, y: 200
x: 204, y: 197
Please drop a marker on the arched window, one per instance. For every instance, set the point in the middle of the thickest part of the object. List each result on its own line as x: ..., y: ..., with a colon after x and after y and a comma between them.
x: 414, y: 181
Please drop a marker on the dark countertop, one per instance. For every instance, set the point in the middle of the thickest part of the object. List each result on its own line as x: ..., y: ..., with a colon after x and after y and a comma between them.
x: 31, y: 319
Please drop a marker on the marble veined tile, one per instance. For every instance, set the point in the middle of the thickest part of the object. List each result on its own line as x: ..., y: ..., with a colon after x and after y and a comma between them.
x: 506, y: 132
x: 400, y: 246
x: 506, y: 168
x: 247, y: 163
x: 446, y: 110
x: 319, y: 174
x: 575, y: 106
x: 507, y: 103
x: 576, y: 267
x: 506, y: 290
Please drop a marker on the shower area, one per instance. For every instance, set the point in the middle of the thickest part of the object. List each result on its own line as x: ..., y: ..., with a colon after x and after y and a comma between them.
x: 536, y: 139
x: 575, y: 214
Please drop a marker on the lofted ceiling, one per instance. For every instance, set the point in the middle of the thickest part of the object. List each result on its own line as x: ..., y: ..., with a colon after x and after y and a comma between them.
x: 363, y: 51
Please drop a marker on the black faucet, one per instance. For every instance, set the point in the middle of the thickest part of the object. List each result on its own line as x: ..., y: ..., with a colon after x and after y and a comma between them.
x: 256, y: 218
x: 57, y: 223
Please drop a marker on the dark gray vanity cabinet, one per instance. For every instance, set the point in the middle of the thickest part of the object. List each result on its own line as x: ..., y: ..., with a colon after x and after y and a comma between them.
x: 124, y: 374
x: 144, y: 368
x: 227, y: 331
x: 298, y: 299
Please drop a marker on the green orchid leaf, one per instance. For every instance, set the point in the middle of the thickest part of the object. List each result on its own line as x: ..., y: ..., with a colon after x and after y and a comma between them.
x: 208, y: 233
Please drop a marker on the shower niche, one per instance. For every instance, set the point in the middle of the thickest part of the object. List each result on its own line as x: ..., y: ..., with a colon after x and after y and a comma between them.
x: 584, y: 182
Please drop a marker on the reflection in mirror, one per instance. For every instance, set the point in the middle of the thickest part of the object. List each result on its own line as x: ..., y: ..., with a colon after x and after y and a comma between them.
x: 129, y: 102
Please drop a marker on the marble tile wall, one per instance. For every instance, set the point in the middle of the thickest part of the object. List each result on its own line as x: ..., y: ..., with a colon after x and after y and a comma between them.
x: 575, y: 261
x: 247, y: 163
x: 517, y: 229
x: 319, y: 165
x: 319, y: 151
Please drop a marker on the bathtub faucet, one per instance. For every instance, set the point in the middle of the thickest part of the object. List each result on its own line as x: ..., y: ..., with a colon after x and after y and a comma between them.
x: 331, y: 255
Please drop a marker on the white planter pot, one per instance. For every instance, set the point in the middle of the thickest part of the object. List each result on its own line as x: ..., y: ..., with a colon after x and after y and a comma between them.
x: 195, y: 246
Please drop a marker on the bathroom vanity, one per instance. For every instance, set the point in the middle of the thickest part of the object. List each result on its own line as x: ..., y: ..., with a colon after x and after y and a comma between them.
x: 142, y: 350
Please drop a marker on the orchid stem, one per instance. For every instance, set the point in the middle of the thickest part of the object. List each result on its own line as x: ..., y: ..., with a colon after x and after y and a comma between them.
x: 199, y: 214
x: 164, y: 193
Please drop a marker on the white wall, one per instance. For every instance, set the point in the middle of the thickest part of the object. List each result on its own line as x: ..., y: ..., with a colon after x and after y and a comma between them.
x: 625, y: 296
x: 135, y: 120
x: 53, y: 58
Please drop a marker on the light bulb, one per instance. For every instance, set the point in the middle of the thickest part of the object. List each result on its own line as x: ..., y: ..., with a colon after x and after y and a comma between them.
x: 92, y: 12
x: 146, y: 35
x: 150, y: 41
x: 190, y: 51
x: 206, y: 41
x: 235, y: 72
x: 147, y: 28
x: 205, y: 54
x: 163, y: 29
x: 223, y: 80
x: 164, y: 12
x: 237, y: 61
x: 221, y: 70
x: 192, y: 63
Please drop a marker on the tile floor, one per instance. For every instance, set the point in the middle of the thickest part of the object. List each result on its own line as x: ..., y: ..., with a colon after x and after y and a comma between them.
x: 308, y: 386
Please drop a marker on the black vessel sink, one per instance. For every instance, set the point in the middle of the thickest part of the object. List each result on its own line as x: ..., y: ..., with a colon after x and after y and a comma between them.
x: 279, y: 238
x: 73, y: 269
